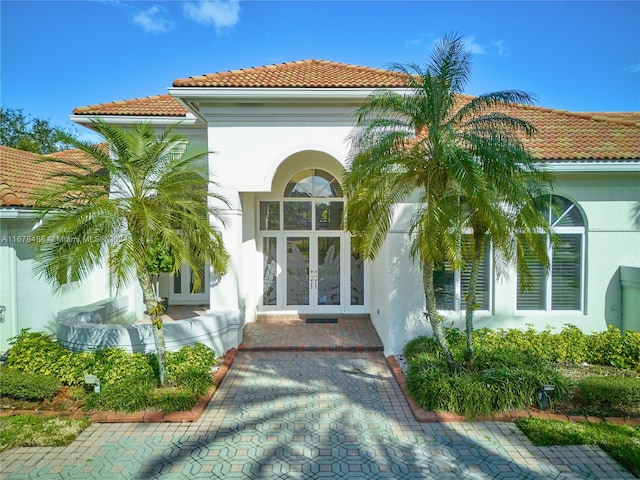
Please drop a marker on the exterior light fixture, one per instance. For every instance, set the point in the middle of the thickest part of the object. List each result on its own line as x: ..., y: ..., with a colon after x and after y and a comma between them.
x: 543, y: 397
x: 93, y: 380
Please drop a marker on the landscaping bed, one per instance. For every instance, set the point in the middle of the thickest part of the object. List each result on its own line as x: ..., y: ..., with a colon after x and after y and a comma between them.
x: 41, y: 375
x: 592, y: 375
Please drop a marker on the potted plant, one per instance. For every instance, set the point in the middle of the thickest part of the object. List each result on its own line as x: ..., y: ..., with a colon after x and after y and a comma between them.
x: 159, y: 260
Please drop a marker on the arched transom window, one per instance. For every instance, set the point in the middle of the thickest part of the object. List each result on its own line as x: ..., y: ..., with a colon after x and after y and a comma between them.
x: 312, y: 201
x: 313, y: 184
x: 562, y: 289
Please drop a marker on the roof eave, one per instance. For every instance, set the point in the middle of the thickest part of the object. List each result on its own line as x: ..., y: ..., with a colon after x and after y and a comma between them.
x: 557, y: 166
x: 86, y: 120
x: 17, y: 211
x: 239, y: 94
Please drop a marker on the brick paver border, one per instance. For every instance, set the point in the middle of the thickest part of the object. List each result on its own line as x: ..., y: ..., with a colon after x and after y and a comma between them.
x: 424, y: 416
x: 419, y: 413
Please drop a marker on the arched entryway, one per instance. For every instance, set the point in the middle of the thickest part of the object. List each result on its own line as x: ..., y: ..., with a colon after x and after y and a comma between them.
x: 307, y: 263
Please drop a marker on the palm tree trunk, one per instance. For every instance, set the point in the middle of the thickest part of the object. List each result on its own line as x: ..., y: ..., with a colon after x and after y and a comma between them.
x: 151, y: 303
x: 478, y: 247
x: 432, y: 314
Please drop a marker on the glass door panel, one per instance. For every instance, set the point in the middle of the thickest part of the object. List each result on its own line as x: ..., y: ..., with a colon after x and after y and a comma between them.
x: 327, y: 282
x: 270, y: 271
x: 297, y: 270
x: 329, y: 215
x: 357, y: 280
x: 182, y: 290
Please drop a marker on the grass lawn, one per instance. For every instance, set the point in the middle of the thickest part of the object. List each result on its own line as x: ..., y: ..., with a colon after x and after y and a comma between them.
x: 35, y: 431
x: 622, y: 442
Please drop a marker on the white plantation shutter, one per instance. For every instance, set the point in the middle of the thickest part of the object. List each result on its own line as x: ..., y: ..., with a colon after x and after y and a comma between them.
x: 482, y: 287
x: 444, y: 285
x: 565, y: 281
x: 566, y: 273
x: 534, y: 298
x: 451, y: 287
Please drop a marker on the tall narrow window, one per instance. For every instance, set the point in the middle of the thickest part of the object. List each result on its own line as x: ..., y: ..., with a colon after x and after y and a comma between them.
x: 452, y: 287
x: 563, y: 288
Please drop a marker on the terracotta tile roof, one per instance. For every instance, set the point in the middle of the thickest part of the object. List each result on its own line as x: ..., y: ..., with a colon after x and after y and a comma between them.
x: 22, y: 173
x: 621, y: 117
x: 301, y: 74
x: 561, y: 135
x: 157, y: 105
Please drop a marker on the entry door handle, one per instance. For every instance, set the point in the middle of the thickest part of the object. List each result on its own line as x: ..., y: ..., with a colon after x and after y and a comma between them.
x: 313, y: 279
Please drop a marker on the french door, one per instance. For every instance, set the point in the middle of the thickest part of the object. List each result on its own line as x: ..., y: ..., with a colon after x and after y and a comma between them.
x: 306, y: 259
x: 182, y: 290
x: 311, y: 273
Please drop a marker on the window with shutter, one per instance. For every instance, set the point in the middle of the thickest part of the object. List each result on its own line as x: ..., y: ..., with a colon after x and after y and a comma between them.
x: 563, y: 288
x: 452, y: 286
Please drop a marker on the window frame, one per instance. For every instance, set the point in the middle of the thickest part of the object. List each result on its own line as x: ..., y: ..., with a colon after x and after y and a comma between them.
x: 458, y: 291
x: 559, y: 231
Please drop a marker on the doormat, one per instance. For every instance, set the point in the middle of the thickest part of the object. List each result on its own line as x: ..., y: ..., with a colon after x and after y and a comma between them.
x: 321, y: 320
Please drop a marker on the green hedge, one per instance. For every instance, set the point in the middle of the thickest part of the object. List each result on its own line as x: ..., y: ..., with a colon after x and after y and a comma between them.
x: 511, y: 365
x: 570, y: 345
x: 500, y: 380
x: 608, y: 396
x: 27, y: 386
x: 129, y: 381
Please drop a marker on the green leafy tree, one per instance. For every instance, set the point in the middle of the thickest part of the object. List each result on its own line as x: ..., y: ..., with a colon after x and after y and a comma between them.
x: 36, y: 135
x: 138, y: 191
x: 455, y: 158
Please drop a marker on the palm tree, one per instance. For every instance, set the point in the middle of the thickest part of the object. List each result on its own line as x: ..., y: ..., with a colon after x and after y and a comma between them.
x: 512, y: 223
x: 457, y: 159
x: 138, y: 191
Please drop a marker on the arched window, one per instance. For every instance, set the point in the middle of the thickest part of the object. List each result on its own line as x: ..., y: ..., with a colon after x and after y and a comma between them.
x: 313, y: 183
x: 563, y: 288
x: 312, y: 200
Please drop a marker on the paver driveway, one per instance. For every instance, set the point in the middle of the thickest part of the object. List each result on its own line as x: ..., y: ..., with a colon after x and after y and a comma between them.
x: 289, y: 415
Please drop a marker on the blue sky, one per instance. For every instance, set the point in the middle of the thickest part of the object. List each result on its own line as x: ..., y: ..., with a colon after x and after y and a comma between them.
x: 57, y: 55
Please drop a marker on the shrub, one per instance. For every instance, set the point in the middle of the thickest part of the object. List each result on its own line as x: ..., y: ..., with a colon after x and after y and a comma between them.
x: 500, y: 380
x: 569, y: 345
x: 174, y: 399
x: 124, y: 396
x: 421, y: 345
x: 27, y: 386
x: 128, y: 381
x: 608, y: 396
x: 612, y: 348
x: 35, y: 352
x: 195, y: 360
x: 115, y: 365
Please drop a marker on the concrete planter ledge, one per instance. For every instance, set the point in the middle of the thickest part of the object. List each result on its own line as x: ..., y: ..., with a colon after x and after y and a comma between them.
x: 218, y: 330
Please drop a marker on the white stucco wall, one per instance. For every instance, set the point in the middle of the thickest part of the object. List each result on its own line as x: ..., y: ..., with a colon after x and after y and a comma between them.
x: 256, y: 149
x: 610, y: 203
x: 30, y: 300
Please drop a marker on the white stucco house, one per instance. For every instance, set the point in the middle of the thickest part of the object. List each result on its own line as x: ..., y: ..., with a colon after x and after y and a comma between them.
x: 279, y: 140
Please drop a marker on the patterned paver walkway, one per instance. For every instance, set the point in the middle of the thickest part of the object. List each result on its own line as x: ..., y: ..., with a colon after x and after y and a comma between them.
x: 308, y: 415
x: 278, y: 332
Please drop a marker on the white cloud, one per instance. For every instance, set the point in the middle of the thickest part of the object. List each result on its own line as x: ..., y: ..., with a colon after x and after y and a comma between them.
x: 153, y: 20
x: 473, y: 47
x: 500, y: 48
x: 220, y: 13
x: 419, y: 40
x: 632, y: 68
